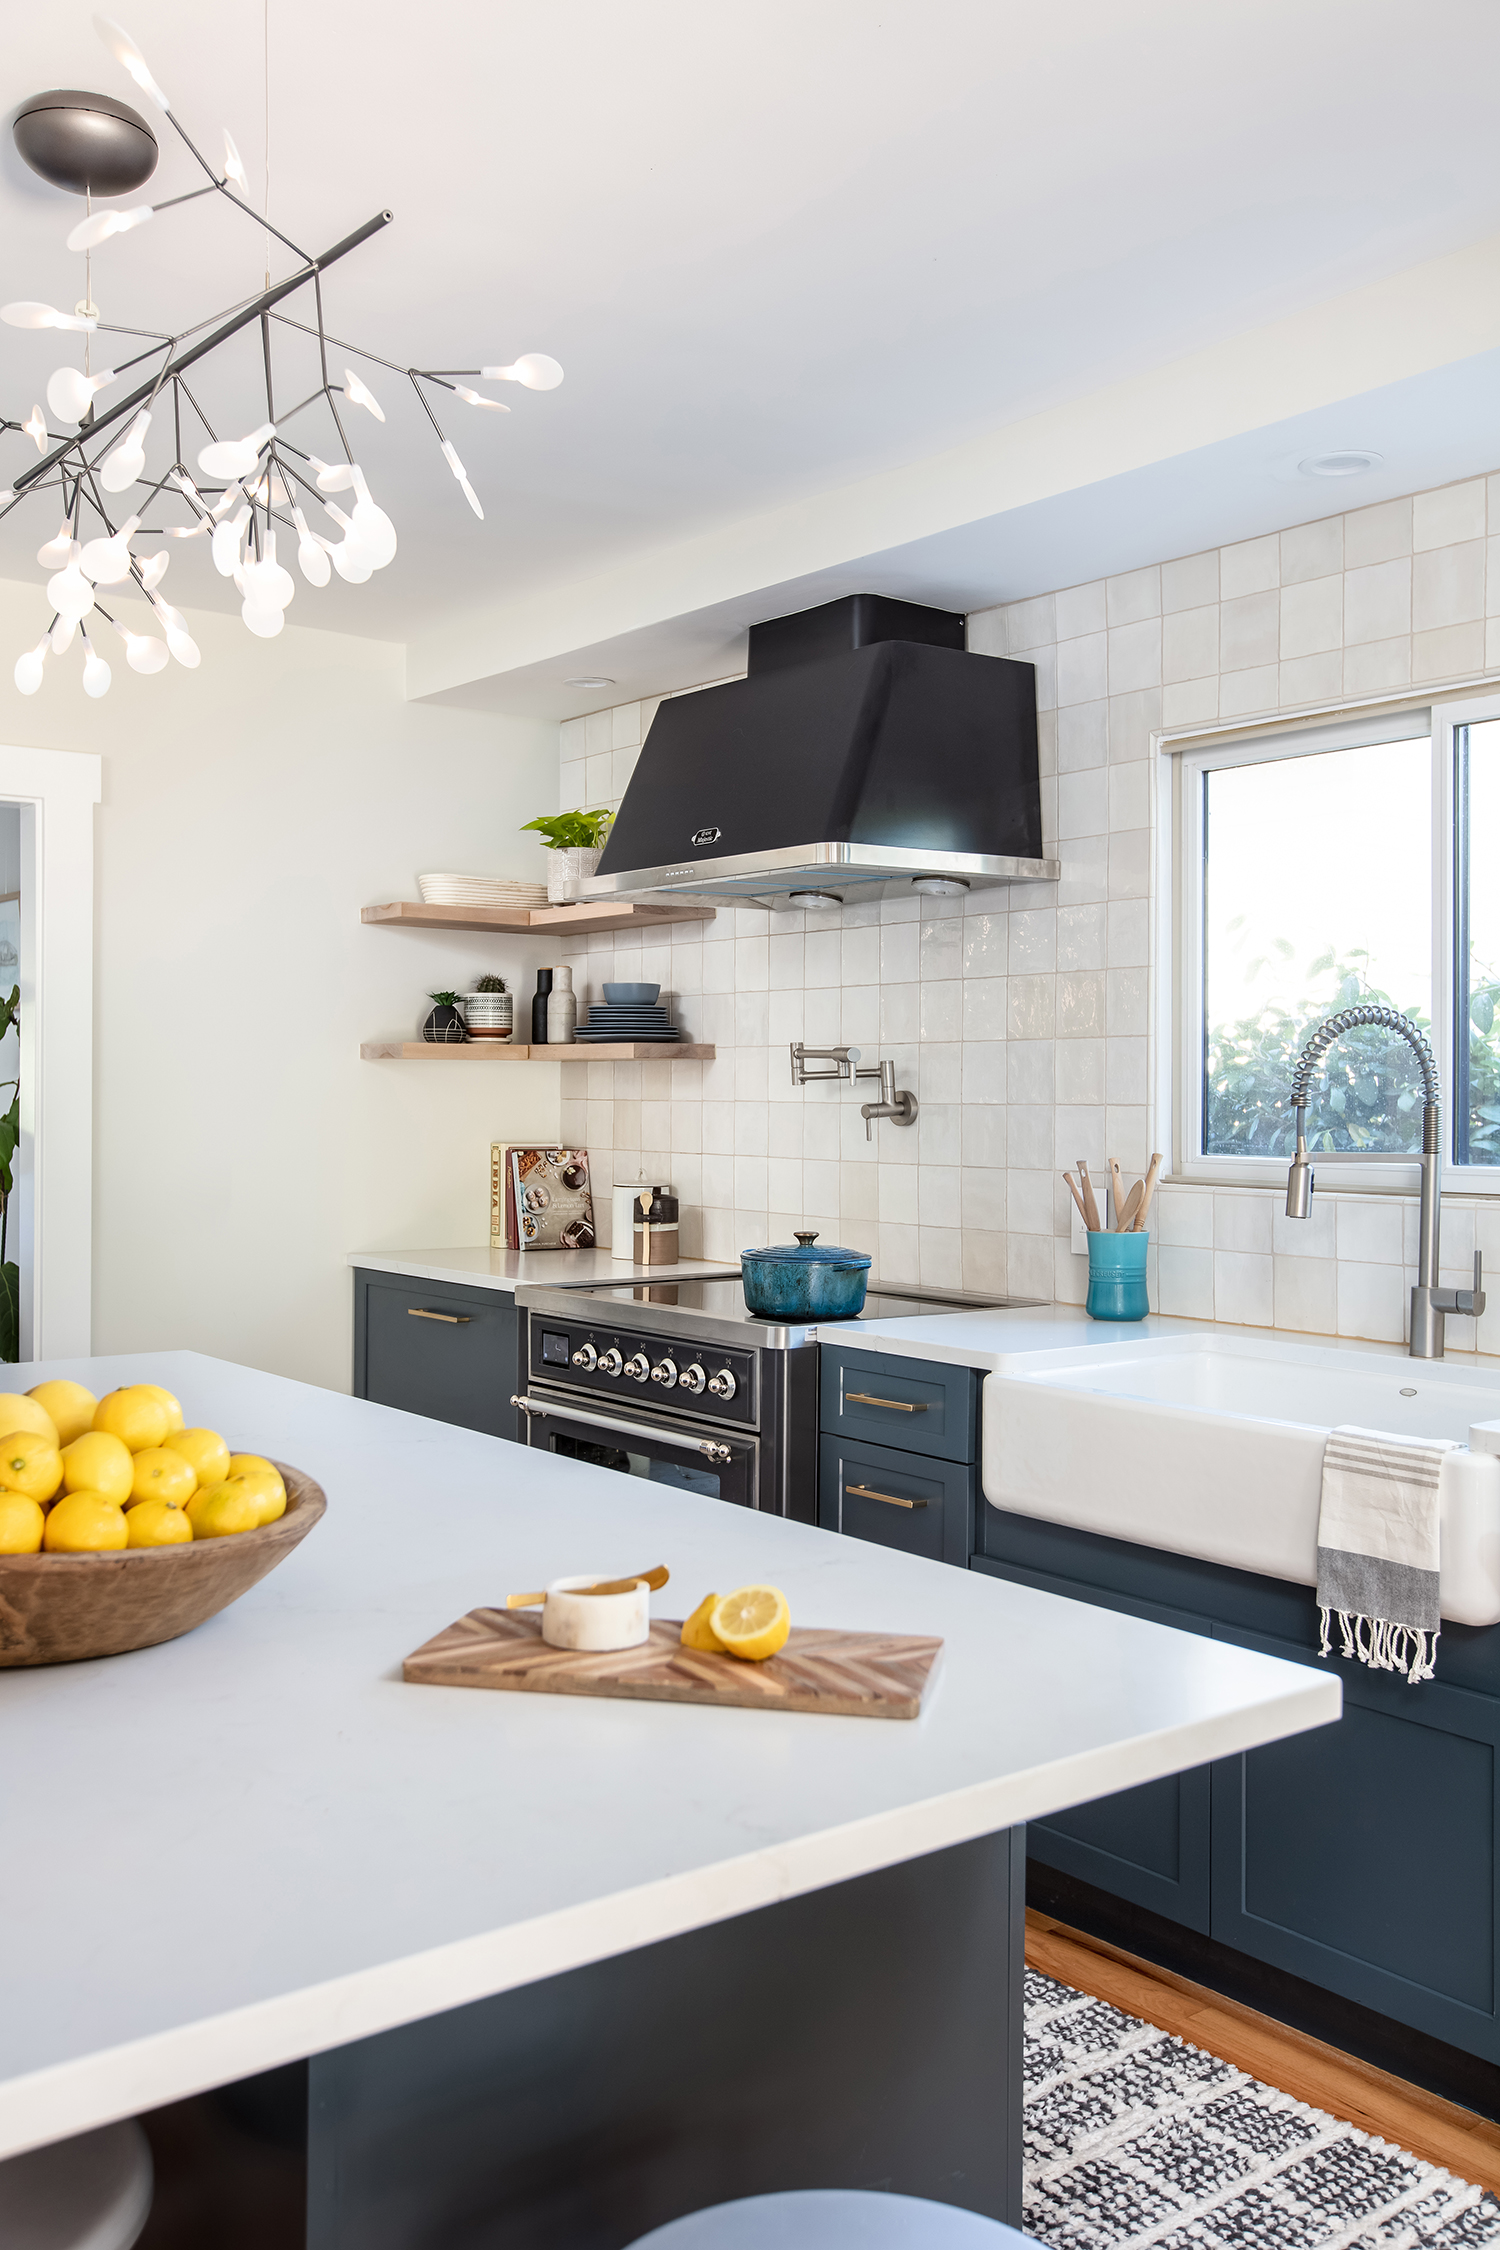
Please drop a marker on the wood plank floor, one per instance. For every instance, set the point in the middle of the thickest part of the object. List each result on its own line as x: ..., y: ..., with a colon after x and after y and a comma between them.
x: 1298, y: 2065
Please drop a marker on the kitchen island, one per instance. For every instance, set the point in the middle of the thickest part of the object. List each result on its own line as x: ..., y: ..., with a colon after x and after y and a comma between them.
x: 565, y: 1967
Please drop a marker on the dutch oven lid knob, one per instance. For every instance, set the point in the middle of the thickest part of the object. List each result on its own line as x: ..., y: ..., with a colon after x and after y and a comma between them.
x: 806, y: 1239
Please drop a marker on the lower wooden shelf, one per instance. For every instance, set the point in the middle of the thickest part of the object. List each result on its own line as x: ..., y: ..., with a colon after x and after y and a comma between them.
x: 503, y: 1050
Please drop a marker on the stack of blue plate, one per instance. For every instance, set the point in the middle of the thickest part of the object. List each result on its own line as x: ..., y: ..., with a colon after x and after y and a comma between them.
x: 628, y: 1013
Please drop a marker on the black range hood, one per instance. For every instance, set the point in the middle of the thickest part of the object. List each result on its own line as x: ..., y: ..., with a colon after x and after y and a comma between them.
x: 865, y: 752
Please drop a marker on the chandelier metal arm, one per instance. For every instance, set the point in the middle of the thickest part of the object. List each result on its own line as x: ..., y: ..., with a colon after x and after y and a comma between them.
x: 224, y: 189
x: 146, y: 392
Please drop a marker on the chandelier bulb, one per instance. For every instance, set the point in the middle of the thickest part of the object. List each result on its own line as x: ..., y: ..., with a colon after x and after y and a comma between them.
x: 226, y: 540
x: 96, y: 673
x: 179, y: 640
x: 477, y: 398
x: 26, y: 313
x: 154, y: 568
x: 265, y: 620
x: 312, y: 558
x: 56, y: 551
x: 69, y: 591
x: 128, y: 460
x: 70, y: 393
x: 266, y: 585
x: 360, y: 394
x: 457, y: 467
x: 107, y: 561
x: 128, y: 55
x: 60, y: 634
x: 35, y: 427
x: 143, y: 651
x: 332, y: 476
x: 233, y: 168
x: 534, y: 369
x: 101, y: 225
x: 30, y: 666
x: 235, y: 457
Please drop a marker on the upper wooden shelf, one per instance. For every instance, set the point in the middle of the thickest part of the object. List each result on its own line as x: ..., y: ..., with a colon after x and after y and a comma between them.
x: 503, y: 1050
x: 410, y: 914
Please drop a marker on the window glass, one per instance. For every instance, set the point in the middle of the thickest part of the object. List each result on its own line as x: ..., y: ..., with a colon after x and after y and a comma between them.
x: 1476, y: 984
x: 1317, y: 895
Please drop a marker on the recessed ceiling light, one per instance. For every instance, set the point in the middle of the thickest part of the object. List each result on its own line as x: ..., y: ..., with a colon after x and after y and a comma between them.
x: 1352, y: 462
x: 591, y: 679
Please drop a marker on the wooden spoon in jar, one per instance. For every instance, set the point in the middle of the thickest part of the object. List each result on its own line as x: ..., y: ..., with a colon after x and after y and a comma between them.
x: 655, y: 1579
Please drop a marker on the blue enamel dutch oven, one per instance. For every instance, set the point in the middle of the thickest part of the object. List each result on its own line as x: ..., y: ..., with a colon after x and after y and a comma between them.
x: 799, y: 1282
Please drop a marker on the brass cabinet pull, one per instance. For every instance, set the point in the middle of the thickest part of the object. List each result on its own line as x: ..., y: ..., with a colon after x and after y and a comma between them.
x: 896, y: 1405
x: 868, y: 1492
x: 453, y: 1319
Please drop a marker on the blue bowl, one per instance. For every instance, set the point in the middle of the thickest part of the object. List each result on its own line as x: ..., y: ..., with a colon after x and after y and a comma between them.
x: 795, y: 1281
x: 631, y: 995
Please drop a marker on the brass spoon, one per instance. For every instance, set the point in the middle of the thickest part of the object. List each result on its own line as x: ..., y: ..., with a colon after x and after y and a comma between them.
x: 655, y: 1579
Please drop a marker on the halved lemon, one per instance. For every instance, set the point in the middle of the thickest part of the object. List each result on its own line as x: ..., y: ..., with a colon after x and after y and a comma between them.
x: 696, y: 1630
x: 752, y: 1622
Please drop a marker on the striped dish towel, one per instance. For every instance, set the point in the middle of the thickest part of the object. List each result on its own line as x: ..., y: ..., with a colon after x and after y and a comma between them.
x: 1378, y: 1548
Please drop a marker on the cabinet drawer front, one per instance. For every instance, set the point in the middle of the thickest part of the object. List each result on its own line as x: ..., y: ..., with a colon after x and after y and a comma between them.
x: 915, y: 1404
x: 922, y: 1507
x: 435, y: 1350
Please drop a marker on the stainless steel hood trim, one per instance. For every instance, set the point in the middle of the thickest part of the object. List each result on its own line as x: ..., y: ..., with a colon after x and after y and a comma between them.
x: 814, y: 866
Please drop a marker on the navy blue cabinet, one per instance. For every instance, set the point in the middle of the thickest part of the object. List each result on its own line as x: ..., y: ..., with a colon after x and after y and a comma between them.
x: 438, y: 1348
x: 897, y: 1457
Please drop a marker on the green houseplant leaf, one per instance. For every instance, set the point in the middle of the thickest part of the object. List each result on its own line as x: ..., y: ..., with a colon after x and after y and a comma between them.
x: 572, y: 831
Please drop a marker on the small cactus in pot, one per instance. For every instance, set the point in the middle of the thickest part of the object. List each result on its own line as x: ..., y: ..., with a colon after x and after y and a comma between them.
x: 489, y: 1010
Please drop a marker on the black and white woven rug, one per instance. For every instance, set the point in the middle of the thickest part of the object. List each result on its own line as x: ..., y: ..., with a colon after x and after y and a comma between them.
x: 1136, y: 2141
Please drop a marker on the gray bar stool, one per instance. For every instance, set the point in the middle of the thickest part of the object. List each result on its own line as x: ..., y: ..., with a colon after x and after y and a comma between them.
x: 90, y: 2193
x: 833, y: 2219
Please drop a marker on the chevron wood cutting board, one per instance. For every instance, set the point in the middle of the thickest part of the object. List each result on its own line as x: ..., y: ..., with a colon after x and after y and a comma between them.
x: 849, y: 1675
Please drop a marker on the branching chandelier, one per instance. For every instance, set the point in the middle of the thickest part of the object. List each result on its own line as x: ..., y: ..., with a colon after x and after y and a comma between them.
x: 241, y: 489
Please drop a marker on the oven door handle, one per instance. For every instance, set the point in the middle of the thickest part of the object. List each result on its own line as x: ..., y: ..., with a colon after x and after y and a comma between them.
x: 710, y: 1448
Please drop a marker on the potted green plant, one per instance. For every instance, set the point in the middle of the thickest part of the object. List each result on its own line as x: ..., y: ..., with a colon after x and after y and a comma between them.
x: 575, y: 840
x: 489, y: 1010
x: 445, y: 1026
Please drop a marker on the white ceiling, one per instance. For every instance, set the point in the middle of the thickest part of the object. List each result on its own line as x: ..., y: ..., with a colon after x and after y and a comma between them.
x: 779, y: 249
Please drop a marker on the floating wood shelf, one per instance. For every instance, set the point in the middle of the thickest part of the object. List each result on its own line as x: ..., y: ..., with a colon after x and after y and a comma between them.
x: 537, y: 921
x: 502, y: 1050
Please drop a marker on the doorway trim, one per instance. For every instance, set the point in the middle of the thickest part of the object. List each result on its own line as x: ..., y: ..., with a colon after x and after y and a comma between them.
x: 57, y: 791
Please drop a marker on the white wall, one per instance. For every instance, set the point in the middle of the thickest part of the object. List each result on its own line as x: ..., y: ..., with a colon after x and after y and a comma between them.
x: 250, y: 809
x: 1023, y: 1018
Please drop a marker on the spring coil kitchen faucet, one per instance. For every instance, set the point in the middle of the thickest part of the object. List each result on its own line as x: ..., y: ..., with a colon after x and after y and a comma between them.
x: 1429, y: 1303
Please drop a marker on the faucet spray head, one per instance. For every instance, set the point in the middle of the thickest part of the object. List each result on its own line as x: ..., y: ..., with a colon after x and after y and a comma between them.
x: 1299, y: 1179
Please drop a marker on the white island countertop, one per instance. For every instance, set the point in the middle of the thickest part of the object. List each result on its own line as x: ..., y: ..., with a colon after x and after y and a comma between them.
x: 507, y: 1270
x: 256, y: 1842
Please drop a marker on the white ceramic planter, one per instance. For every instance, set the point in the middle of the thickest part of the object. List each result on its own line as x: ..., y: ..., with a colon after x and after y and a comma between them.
x: 566, y: 872
x: 571, y: 1619
x: 489, y: 1015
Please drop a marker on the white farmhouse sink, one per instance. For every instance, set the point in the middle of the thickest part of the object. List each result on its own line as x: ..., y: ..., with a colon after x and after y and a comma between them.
x: 1212, y: 1445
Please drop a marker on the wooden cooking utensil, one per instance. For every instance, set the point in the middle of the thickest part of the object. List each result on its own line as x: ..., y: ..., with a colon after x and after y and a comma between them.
x: 1077, y: 1198
x: 1147, y: 1191
x: 1091, y: 1218
x: 655, y: 1578
x: 1125, y: 1224
x: 1118, y: 1185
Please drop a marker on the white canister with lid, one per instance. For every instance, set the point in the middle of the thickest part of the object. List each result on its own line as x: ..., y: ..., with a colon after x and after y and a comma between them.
x: 562, y: 1010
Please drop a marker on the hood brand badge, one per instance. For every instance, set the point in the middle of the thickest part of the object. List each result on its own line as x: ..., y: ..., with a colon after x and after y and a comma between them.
x: 707, y: 835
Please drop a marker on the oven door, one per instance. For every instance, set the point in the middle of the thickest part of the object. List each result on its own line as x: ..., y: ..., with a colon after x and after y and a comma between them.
x: 684, y: 1457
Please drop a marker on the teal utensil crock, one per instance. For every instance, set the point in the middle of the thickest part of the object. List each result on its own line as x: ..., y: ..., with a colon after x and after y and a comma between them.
x: 1117, y: 1277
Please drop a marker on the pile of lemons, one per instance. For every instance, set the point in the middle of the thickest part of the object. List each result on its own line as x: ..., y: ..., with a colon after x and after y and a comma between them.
x: 81, y: 1476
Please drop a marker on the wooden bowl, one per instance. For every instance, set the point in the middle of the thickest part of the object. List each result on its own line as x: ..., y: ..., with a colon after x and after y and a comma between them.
x: 58, y: 1609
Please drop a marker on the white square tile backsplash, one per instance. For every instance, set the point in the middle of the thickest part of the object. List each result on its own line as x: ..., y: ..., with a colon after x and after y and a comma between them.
x: 1022, y: 1019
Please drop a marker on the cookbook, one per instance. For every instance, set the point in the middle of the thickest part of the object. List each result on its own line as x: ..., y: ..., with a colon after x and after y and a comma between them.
x: 551, y: 1199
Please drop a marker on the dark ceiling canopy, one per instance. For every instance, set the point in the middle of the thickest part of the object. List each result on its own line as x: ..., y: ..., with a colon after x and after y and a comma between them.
x: 85, y: 142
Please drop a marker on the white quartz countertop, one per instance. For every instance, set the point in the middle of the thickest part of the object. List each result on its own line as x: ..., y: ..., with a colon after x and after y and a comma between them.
x: 506, y: 1270
x: 256, y: 1842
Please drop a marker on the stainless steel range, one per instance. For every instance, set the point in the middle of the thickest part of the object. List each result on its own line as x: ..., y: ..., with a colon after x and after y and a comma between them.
x: 676, y: 1382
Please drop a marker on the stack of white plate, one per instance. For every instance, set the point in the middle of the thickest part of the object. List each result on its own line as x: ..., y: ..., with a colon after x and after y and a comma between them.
x: 479, y: 890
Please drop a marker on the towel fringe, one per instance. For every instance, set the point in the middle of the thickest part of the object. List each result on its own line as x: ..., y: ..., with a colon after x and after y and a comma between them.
x: 1381, y: 1645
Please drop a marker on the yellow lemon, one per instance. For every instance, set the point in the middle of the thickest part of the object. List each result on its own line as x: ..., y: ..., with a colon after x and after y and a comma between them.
x: 84, y: 1523
x: 30, y: 1464
x: 696, y: 1630
x: 224, y: 1509
x: 135, y: 1415
x: 242, y: 1465
x: 70, y: 1406
x: 157, y: 1523
x: 752, y: 1622
x: 174, y: 1411
x: 97, y: 1462
x: 204, y: 1451
x: 266, y: 1478
x: 155, y: 1474
x: 21, y: 1524
x: 20, y: 1413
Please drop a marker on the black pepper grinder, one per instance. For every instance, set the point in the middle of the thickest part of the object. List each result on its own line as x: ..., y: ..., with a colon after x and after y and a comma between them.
x: 539, y: 1008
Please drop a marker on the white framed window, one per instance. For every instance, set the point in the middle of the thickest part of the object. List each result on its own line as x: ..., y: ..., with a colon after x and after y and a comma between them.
x: 1313, y: 869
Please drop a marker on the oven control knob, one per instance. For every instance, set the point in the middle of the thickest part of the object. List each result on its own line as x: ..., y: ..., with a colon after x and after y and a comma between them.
x: 723, y: 1385
x: 665, y: 1373
x: 586, y: 1357
x: 638, y: 1367
x: 610, y: 1362
x: 693, y: 1379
